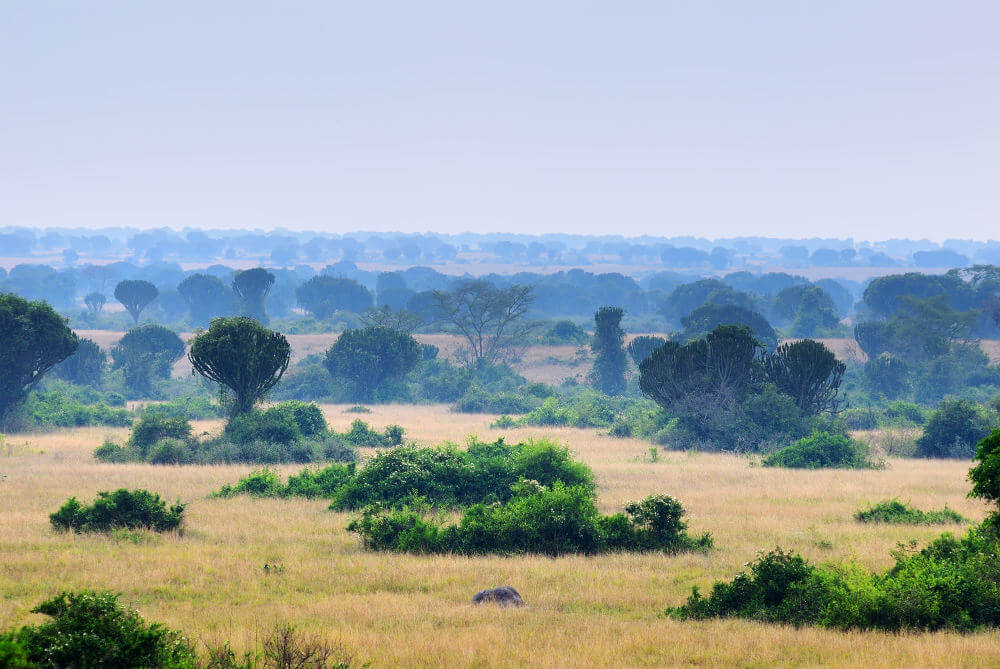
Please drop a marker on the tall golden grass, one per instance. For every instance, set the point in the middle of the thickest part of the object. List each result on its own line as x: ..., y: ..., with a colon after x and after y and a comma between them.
x: 414, y: 610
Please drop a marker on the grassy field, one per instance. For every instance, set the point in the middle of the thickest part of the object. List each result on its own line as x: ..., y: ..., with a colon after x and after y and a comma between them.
x: 408, y: 610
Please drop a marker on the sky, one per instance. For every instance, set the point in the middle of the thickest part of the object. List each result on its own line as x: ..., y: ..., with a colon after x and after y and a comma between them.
x: 870, y: 120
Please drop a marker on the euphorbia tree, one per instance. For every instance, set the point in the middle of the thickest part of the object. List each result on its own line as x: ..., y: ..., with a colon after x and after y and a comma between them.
x: 243, y: 357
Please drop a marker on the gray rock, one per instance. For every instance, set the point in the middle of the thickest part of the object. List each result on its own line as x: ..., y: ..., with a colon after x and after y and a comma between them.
x: 502, y: 596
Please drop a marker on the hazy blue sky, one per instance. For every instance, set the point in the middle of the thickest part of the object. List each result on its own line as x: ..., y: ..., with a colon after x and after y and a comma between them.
x: 869, y: 119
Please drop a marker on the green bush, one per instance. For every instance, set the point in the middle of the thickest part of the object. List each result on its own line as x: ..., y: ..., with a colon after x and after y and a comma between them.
x: 94, y: 629
x: 361, y: 435
x: 54, y: 408
x: 953, y: 430
x: 951, y: 584
x: 153, y: 426
x: 442, y: 476
x: 136, y: 509
x: 896, y: 512
x: 537, y: 519
x: 821, y: 450
x: 479, y: 400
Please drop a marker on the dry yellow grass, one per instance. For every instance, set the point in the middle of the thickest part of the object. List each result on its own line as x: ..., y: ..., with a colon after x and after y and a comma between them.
x: 414, y: 611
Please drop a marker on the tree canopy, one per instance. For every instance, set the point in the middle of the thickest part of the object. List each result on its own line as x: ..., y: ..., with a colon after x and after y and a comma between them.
x: 252, y: 287
x: 135, y: 295
x: 809, y: 373
x: 491, y: 319
x: 35, y: 338
x: 369, y: 357
x: 245, y: 358
x: 608, y: 374
x: 324, y: 295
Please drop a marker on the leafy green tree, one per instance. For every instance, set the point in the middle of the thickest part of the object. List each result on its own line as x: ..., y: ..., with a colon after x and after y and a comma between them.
x: 369, y: 357
x: 687, y: 297
x: 953, y: 430
x: 707, y: 317
x: 206, y: 297
x: 135, y: 295
x: 704, y: 376
x: 34, y: 339
x: 146, y: 353
x: 640, y: 347
x: 252, y: 287
x: 809, y: 373
x: 243, y: 357
x: 85, y: 366
x: 324, y: 295
x: 608, y: 374
x: 95, y: 302
x: 886, y: 376
x: 985, y: 475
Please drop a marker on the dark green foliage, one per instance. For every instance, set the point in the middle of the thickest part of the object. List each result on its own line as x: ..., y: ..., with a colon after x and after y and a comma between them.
x: 709, y: 317
x: 135, y: 296
x: 608, y: 374
x: 252, y: 286
x: 145, y: 353
x: 206, y: 297
x: 361, y: 435
x: 951, y: 584
x: 899, y: 513
x: 985, y: 475
x: 136, y: 509
x: 821, y: 450
x: 93, y: 629
x: 809, y: 373
x: 243, y: 357
x: 323, y: 295
x: 34, y: 339
x: 565, y: 332
x: 886, y: 376
x: 287, y: 432
x: 441, y: 476
x: 953, y: 430
x: 85, y: 366
x: 56, y: 408
x: 153, y: 426
x: 688, y: 297
x: 370, y: 357
x: 808, y: 309
x: 552, y: 520
x: 640, y: 347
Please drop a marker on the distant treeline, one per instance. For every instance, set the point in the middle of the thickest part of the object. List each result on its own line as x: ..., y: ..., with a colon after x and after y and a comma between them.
x: 284, y: 248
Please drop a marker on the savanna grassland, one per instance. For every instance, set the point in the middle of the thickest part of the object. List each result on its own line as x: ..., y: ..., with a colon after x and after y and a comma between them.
x: 389, y: 610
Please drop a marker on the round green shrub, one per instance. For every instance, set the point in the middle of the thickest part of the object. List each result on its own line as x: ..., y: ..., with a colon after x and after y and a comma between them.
x: 821, y: 450
x: 953, y: 430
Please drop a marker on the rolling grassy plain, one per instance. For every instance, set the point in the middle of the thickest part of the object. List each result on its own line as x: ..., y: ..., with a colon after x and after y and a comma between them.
x: 395, y: 610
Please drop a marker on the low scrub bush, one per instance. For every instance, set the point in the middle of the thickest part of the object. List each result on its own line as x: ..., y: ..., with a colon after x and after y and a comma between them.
x: 94, y: 629
x: 537, y: 519
x: 135, y: 509
x: 951, y: 584
x: 822, y: 450
x: 896, y: 512
x: 56, y: 409
x: 288, y: 432
x: 441, y: 476
x: 361, y: 435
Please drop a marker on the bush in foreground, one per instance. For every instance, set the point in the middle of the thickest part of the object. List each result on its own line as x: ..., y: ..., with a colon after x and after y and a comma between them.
x: 136, y: 509
x: 895, y: 512
x: 821, y: 450
x: 551, y: 521
x: 93, y: 629
x: 951, y: 584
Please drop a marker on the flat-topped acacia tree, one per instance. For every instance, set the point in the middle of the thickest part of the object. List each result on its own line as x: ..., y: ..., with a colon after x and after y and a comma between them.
x: 245, y: 358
